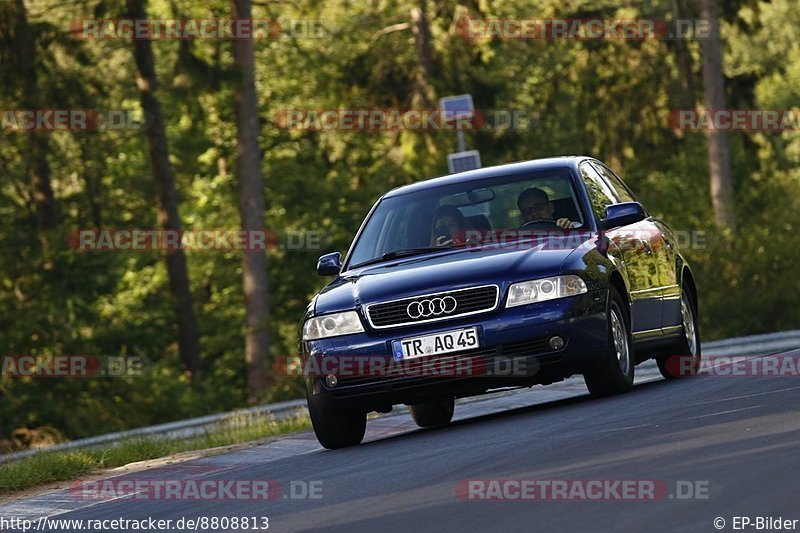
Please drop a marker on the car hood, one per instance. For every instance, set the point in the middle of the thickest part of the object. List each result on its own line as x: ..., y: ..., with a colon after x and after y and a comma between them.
x: 454, y: 269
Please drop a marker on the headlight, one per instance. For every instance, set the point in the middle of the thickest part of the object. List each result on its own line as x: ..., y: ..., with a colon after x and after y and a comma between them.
x: 332, y: 325
x: 540, y: 290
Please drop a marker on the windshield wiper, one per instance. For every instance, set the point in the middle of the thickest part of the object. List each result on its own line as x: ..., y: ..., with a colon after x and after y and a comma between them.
x: 408, y: 252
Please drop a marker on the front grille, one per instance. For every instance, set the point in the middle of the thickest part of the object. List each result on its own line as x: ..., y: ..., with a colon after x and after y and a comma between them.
x: 468, y: 301
x: 524, y: 348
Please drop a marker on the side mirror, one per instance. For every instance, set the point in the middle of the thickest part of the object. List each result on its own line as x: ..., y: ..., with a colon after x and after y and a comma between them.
x: 623, y: 214
x: 329, y: 264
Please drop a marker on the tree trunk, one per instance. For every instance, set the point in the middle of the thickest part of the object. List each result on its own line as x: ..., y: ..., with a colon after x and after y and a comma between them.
x: 166, y: 197
x: 251, y: 207
x: 38, y: 142
x: 92, y: 179
x: 684, y: 59
x: 719, y: 159
x: 422, y: 39
x: 39, y: 168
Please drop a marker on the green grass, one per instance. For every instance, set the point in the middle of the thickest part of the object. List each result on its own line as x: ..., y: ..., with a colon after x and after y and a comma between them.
x: 48, y: 467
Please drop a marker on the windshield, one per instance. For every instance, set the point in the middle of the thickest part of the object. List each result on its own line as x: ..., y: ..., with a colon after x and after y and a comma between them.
x: 443, y: 217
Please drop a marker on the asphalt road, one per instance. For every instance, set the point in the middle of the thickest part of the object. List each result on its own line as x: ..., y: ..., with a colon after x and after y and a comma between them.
x: 733, y: 440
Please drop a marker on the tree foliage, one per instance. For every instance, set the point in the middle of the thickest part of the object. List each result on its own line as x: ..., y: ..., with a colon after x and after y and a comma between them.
x: 610, y: 99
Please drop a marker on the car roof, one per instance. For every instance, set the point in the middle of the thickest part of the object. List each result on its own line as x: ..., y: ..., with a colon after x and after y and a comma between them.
x: 569, y: 161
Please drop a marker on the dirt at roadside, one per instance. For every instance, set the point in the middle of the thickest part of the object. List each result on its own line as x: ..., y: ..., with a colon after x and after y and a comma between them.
x: 127, y: 469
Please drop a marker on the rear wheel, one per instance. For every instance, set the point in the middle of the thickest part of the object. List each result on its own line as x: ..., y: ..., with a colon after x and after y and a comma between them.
x: 683, y: 359
x: 616, y: 374
x: 435, y: 413
x: 336, y: 427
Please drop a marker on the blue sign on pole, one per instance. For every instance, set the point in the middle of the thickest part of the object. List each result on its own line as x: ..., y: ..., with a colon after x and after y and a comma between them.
x: 463, y: 161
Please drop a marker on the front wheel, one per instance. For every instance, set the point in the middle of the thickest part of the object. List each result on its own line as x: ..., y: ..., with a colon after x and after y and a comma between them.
x: 436, y: 413
x: 683, y: 359
x: 336, y: 427
x: 616, y: 374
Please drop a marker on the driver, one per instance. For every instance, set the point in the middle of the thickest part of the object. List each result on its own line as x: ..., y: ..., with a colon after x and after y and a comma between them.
x: 449, y: 224
x: 534, y: 204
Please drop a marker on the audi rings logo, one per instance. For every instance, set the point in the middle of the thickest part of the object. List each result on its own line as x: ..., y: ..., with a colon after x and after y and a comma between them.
x: 431, y: 307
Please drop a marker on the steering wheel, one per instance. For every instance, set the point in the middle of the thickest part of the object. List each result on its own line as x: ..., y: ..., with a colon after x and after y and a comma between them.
x: 539, y: 223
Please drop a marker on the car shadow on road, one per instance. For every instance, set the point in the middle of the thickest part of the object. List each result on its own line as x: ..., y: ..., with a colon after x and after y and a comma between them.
x: 506, y: 413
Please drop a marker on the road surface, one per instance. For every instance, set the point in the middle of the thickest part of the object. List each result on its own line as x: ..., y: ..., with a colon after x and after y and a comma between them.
x: 714, y: 447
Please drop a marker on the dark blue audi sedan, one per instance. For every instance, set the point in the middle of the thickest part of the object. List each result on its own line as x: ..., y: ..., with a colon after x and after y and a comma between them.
x: 508, y: 276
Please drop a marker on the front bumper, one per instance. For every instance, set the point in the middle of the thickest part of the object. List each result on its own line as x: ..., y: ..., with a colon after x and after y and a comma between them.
x: 513, y: 351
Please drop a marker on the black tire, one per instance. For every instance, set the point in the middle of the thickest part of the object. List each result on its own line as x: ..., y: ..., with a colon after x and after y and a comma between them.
x: 336, y: 427
x: 684, y: 357
x: 436, y: 413
x: 616, y: 374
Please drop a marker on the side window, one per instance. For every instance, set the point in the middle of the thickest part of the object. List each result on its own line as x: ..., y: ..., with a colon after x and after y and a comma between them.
x: 621, y: 192
x: 600, y: 195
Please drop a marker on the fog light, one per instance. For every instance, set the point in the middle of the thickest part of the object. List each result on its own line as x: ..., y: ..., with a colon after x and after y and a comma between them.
x: 556, y: 342
x: 331, y: 380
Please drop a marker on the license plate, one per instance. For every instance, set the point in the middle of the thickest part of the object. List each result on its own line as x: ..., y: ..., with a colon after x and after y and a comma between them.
x: 436, y: 344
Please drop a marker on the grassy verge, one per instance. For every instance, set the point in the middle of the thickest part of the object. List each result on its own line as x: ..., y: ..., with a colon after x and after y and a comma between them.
x: 48, y: 467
